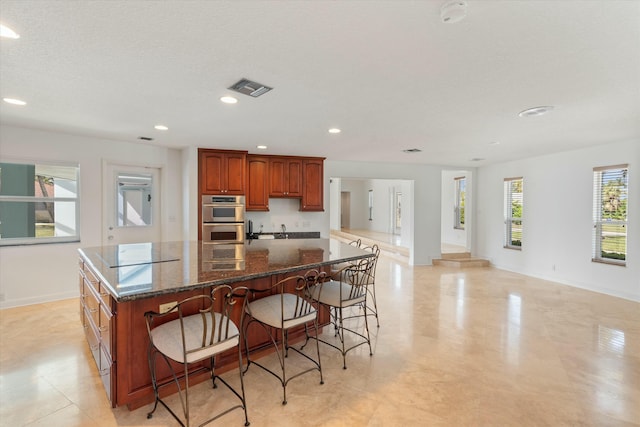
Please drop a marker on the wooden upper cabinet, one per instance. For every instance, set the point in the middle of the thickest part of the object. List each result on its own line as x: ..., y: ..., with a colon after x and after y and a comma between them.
x: 313, y: 185
x: 258, y: 189
x: 285, y: 177
x: 222, y: 172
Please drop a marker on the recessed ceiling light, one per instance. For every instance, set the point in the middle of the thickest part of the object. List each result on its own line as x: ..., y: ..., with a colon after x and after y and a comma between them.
x: 161, y: 127
x: 453, y: 11
x: 14, y: 101
x: 334, y: 130
x: 228, y: 100
x: 8, y: 32
x: 261, y: 147
x: 535, y: 111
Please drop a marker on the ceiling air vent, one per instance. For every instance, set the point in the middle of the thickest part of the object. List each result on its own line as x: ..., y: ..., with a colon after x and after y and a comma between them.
x: 412, y: 150
x: 250, y: 88
x: 145, y: 138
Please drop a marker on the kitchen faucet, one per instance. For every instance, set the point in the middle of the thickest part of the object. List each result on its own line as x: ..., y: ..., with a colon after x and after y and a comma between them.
x: 284, y: 231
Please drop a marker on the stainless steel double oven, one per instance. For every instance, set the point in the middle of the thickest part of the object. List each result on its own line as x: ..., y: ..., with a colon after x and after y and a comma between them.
x: 223, y: 232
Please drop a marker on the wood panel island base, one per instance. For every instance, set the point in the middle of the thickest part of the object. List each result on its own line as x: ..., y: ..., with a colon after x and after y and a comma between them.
x: 118, y: 284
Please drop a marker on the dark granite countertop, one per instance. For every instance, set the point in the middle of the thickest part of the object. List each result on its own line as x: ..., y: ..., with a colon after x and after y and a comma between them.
x: 287, y: 235
x: 144, y: 270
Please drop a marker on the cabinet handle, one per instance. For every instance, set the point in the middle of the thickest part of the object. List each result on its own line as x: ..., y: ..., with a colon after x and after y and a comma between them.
x: 104, y: 294
x: 103, y: 328
x: 94, y: 347
x: 93, y: 310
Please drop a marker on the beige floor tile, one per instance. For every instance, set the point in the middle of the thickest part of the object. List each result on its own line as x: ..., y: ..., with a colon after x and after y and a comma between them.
x: 479, y: 347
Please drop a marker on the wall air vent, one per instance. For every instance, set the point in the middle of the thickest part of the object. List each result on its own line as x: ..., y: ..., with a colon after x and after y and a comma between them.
x: 250, y: 88
x: 412, y: 150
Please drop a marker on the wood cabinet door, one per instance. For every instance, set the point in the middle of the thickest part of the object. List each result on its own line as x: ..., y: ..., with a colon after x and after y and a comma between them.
x: 212, y: 172
x: 235, y: 168
x: 285, y: 177
x: 313, y: 185
x: 222, y: 172
x: 294, y: 177
x: 277, y: 177
x: 258, y: 188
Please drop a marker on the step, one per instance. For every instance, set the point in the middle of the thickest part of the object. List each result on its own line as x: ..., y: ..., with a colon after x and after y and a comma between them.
x: 456, y: 255
x: 461, y: 263
x: 400, y: 253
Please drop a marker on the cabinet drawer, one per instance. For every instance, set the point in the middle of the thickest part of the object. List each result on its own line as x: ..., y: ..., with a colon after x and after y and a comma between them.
x: 105, y: 370
x: 90, y: 276
x: 93, y: 338
x: 104, y: 329
x: 105, y: 296
x: 92, y: 303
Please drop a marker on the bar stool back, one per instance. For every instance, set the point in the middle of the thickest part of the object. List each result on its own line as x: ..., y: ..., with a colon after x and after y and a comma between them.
x: 287, y: 306
x: 203, y: 328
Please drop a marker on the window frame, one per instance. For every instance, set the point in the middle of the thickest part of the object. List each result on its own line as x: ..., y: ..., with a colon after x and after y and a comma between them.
x: 21, y: 241
x: 509, y: 219
x: 599, y: 221
x: 459, y: 203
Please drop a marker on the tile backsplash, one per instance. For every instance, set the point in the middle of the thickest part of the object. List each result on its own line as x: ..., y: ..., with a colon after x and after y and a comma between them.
x: 287, y: 212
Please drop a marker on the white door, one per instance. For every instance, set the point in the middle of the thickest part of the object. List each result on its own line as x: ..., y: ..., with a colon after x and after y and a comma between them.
x: 131, y: 204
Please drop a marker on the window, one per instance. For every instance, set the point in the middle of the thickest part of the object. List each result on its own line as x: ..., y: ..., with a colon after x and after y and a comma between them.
x: 610, y: 196
x: 134, y: 199
x: 513, y: 191
x: 461, y: 185
x: 38, y: 203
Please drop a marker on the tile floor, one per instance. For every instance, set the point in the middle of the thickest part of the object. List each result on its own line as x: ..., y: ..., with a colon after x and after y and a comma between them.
x: 474, y: 347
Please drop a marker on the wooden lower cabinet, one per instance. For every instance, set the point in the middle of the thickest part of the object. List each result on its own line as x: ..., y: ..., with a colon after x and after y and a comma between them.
x: 97, y: 314
x: 120, y: 351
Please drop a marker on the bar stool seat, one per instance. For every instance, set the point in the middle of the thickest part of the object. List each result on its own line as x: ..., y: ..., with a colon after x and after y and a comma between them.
x: 194, y: 331
x: 287, y: 305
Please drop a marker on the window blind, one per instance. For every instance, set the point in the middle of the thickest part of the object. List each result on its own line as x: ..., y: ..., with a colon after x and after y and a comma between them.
x: 610, y: 201
x: 513, y: 208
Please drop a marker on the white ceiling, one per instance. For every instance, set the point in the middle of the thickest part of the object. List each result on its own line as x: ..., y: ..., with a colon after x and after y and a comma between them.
x: 390, y: 74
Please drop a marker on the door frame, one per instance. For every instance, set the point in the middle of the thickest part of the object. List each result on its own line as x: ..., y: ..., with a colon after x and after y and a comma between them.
x: 107, y: 180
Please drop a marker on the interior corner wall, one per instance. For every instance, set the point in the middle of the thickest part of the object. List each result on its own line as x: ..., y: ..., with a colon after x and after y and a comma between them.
x: 32, y: 274
x: 190, y: 165
x: 334, y: 203
x: 557, y: 218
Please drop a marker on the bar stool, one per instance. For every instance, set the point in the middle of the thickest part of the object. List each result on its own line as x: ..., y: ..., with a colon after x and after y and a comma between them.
x: 198, y: 333
x: 286, y: 306
x: 350, y: 290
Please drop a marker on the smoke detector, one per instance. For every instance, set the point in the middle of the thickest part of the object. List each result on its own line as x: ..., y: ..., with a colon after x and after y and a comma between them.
x: 250, y: 88
x: 453, y: 11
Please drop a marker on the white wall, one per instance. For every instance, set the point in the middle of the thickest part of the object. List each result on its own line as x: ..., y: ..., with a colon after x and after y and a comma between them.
x: 334, y: 207
x: 557, y: 218
x: 287, y: 212
x: 359, y: 207
x: 36, y: 273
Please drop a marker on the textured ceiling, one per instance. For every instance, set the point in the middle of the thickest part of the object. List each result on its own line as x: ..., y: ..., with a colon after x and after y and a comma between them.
x: 388, y: 73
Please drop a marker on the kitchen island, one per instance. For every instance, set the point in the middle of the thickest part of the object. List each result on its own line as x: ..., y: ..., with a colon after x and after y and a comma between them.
x: 119, y: 283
